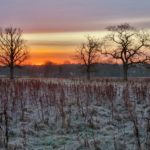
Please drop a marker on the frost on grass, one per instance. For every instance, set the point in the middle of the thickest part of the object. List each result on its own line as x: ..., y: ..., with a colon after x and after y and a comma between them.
x: 42, y: 114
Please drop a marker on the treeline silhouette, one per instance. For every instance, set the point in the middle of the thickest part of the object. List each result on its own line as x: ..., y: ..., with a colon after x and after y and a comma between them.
x: 75, y: 71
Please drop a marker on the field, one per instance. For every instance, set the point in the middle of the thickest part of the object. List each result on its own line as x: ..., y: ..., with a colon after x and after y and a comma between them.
x: 61, y: 114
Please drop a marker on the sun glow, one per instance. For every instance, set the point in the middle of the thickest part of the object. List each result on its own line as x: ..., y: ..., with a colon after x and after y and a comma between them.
x: 56, y: 47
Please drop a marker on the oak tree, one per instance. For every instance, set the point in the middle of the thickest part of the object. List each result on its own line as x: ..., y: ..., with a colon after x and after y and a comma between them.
x: 128, y: 45
x: 13, y: 50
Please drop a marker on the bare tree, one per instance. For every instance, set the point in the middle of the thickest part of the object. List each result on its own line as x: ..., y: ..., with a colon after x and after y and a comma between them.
x: 87, y: 54
x: 128, y: 45
x: 12, y: 48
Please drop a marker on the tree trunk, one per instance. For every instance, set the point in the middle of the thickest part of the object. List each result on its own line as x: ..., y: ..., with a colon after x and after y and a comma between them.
x: 11, y: 72
x: 125, y: 72
x: 88, y: 73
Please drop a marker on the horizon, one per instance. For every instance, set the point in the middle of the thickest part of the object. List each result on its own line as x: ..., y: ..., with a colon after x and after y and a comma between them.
x: 54, y: 30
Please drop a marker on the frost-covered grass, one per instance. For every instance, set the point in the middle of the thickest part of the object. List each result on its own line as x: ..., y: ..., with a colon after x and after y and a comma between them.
x: 47, y: 114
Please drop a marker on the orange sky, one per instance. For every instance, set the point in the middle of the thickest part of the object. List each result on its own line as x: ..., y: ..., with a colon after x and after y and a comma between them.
x: 54, y: 29
x: 56, y: 47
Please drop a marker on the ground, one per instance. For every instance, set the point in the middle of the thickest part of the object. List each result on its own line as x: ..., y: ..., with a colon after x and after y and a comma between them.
x: 67, y: 114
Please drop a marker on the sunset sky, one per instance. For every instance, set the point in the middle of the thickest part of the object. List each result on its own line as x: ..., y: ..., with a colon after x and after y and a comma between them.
x: 55, y: 28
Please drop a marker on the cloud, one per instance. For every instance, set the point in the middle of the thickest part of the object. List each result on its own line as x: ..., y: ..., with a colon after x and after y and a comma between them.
x: 53, y: 43
x: 71, y: 15
x: 141, y: 22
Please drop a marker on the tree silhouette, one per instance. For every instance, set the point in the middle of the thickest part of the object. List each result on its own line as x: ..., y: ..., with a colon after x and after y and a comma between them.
x: 48, y: 66
x: 128, y: 45
x: 13, y: 50
x: 87, y: 54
